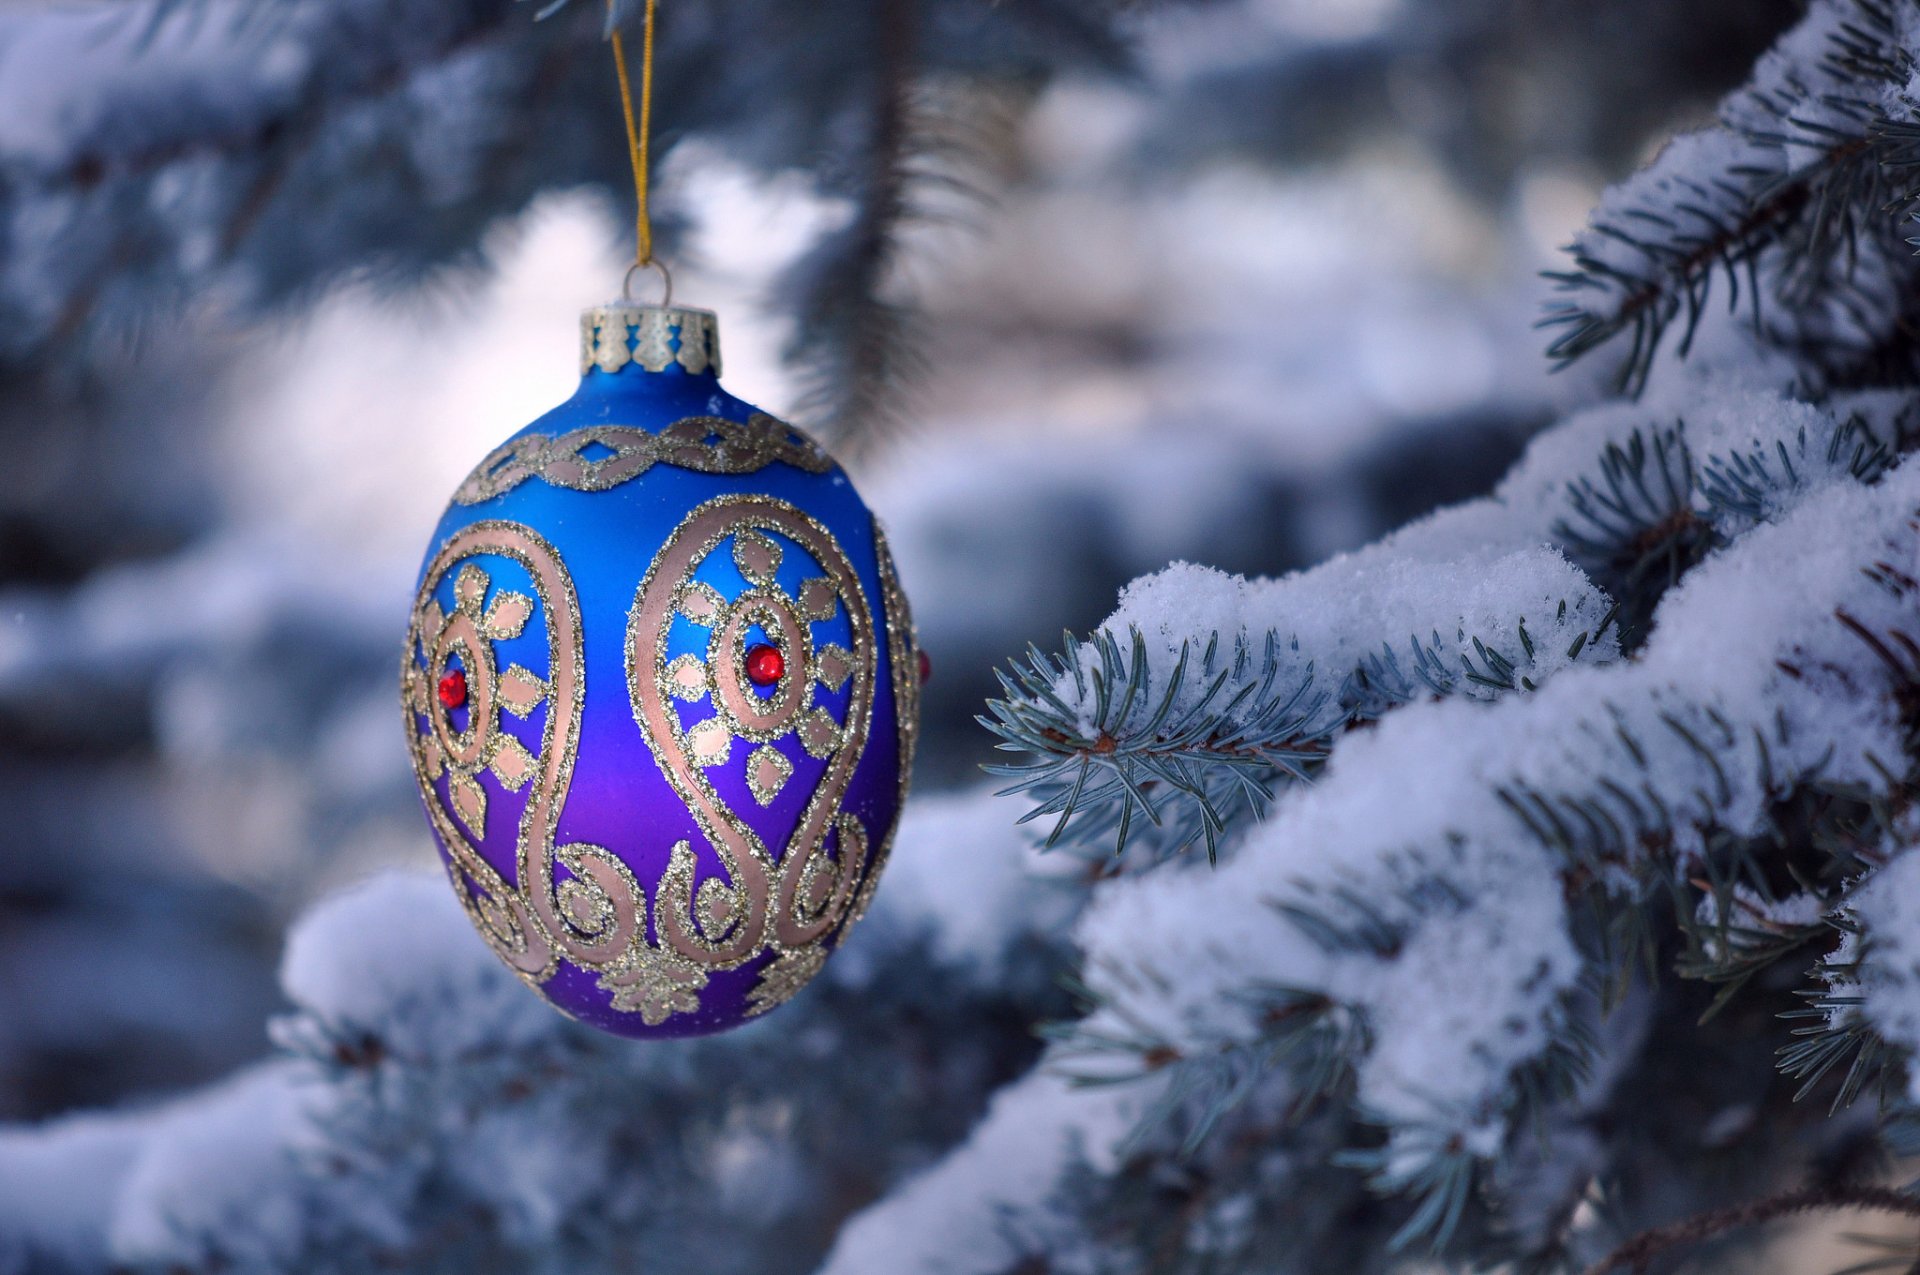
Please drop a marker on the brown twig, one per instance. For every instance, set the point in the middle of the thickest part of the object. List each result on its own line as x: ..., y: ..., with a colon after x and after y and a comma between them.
x: 1785, y: 204
x: 1638, y: 1253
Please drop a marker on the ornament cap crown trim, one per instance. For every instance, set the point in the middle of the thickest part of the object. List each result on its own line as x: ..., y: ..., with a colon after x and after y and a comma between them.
x: 650, y: 337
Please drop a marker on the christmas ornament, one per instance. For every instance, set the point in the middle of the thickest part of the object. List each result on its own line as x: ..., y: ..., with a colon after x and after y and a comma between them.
x: 660, y: 689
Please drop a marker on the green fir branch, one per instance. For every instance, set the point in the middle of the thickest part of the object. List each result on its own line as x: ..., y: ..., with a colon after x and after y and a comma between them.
x: 1793, y: 230
x: 1115, y: 753
x: 1112, y: 750
x: 1749, y: 484
x: 1633, y: 525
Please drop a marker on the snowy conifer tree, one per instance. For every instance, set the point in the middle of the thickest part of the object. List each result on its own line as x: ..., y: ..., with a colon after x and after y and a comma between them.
x: 1527, y: 890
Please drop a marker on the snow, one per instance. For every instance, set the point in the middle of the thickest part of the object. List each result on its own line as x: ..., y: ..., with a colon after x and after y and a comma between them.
x: 1476, y: 987
x: 987, y: 1205
x: 1662, y: 244
x: 152, y: 1186
x: 963, y: 876
x: 1797, y: 69
x: 1677, y: 183
x: 1337, y: 615
x: 218, y: 1167
x: 1743, y: 910
x: 58, y: 1182
x: 1480, y: 569
x: 1471, y: 995
x: 390, y: 967
x: 396, y: 956
x: 222, y: 1176
x: 1887, y: 908
x: 1407, y: 830
x: 1482, y: 973
x: 1471, y: 992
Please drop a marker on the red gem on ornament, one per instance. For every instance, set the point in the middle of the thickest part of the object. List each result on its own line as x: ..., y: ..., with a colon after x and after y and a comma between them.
x: 765, y: 664
x: 926, y: 669
x: 453, y: 690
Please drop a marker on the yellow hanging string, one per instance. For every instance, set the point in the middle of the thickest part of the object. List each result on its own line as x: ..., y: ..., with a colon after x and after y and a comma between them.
x: 638, y: 135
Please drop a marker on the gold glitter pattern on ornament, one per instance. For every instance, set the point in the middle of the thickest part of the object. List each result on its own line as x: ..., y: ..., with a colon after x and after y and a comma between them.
x: 783, y: 978
x: 788, y: 900
x: 601, y: 457
x: 903, y: 661
x: 573, y: 900
x: 654, y: 985
x: 467, y: 635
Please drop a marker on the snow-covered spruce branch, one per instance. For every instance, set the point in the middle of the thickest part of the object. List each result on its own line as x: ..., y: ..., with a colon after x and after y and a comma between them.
x: 1575, y: 790
x: 1862, y: 1017
x: 428, y: 1114
x: 1652, y: 509
x: 1176, y: 720
x: 1800, y: 196
x: 1427, y: 967
x: 1194, y: 738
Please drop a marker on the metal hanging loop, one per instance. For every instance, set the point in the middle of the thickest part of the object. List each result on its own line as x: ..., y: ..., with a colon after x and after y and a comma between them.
x: 666, y: 281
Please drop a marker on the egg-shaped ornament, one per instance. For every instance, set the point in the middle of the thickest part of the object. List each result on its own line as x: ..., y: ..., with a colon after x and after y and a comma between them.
x: 661, y: 690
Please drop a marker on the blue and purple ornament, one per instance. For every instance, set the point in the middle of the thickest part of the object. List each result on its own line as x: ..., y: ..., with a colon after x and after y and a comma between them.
x: 661, y: 692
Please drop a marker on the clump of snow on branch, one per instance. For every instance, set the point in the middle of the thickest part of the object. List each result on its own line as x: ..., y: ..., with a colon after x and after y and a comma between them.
x: 1779, y: 212
x: 1338, y: 615
x: 419, y: 1076
x: 1713, y: 668
x: 1886, y: 948
x: 1482, y: 569
x: 1437, y: 916
x: 388, y: 958
x: 986, y: 1206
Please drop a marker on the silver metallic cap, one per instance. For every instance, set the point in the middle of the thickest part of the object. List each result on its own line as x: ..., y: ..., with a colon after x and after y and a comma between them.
x: 651, y: 336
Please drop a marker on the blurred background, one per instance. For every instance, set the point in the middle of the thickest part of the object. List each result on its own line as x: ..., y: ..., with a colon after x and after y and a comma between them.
x: 1246, y: 283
